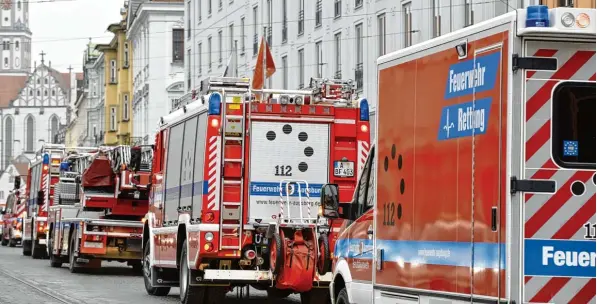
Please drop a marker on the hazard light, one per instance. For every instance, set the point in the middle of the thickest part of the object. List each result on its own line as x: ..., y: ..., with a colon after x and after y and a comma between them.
x: 364, y: 109
x: 214, y: 103
x: 46, y: 159
x: 537, y: 16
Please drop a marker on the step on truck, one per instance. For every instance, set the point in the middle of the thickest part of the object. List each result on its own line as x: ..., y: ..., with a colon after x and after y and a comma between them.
x: 235, y: 190
x: 481, y: 185
x: 102, y: 197
x: 42, y: 177
x: 12, y: 214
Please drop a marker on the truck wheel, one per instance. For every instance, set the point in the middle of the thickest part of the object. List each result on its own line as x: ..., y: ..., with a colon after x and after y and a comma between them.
x: 189, y: 294
x: 275, y: 295
x: 324, y: 261
x: 26, y: 248
x: 11, y: 242
x: 342, y: 297
x: 276, y: 259
x: 36, y: 252
x: 316, y: 296
x: 152, y: 291
x: 137, y: 267
x: 54, y: 260
x: 72, y: 267
x: 4, y: 241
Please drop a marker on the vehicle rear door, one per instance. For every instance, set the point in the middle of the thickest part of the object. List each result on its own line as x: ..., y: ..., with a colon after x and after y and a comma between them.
x: 559, y: 149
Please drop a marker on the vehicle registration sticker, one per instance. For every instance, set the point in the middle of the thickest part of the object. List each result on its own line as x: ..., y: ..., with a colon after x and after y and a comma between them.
x: 343, y: 168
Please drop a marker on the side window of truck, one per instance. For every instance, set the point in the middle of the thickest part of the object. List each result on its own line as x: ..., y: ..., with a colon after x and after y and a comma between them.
x: 370, y: 186
x: 363, y: 187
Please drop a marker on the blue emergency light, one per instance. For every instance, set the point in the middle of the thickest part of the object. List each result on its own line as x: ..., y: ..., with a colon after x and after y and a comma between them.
x: 215, y: 100
x: 537, y: 16
x: 46, y: 160
x: 364, y: 109
x: 64, y: 166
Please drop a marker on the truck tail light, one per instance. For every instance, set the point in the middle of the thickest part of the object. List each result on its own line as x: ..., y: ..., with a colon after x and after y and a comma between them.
x: 209, y: 247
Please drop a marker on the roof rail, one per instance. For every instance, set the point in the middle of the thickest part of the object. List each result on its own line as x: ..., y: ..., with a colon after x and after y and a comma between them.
x: 233, y: 84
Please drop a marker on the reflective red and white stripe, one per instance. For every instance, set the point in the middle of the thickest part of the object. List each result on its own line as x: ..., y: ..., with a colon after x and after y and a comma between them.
x: 21, y: 208
x: 213, y: 192
x: 362, y: 153
x: 560, y: 215
x: 45, y: 186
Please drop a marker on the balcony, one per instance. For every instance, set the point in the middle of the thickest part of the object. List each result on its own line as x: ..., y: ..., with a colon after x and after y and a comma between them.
x: 269, y: 35
x: 338, y: 74
x: 358, y: 75
x: 301, y: 22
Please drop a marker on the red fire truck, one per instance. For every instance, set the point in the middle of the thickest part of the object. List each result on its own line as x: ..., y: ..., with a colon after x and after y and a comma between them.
x: 102, y: 197
x: 235, y: 189
x: 481, y: 186
x: 12, y: 214
x: 42, y: 176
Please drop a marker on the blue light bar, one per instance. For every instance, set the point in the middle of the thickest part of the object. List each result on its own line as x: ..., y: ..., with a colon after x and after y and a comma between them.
x: 537, y: 16
x: 46, y: 159
x: 364, y: 109
x: 214, y: 103
x: 64, y: 166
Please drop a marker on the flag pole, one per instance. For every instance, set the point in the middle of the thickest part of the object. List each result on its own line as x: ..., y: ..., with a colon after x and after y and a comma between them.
x: 264, y: 57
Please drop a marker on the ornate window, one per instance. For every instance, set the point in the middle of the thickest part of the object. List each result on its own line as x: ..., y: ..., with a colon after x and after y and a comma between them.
x: 53, y: 128
x: 29, y: 133
x: 8, y: 141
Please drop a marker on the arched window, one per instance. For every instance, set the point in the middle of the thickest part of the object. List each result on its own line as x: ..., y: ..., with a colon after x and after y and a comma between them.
x: 38, y: 92
x: 53, y: 92
x: 29, y: 133
x: 46, y: 92
x: 46, y: 80
x: 6, y: 62
x: 38, y: 81
x: 53, y: 128
x: 8, y: 141
x: 17, y: 45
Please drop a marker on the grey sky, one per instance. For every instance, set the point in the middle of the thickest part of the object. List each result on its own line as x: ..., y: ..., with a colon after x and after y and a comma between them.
x: 60, y: 28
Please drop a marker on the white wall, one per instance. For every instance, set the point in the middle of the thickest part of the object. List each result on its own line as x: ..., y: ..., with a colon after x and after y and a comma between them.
x: 452, y: 14
x: 151, y: 37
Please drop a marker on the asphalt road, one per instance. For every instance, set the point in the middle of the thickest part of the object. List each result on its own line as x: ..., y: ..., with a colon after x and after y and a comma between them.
x: 24, y: 280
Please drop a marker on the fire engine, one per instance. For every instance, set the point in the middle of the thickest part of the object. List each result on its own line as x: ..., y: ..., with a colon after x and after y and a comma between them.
x: 102, y: 197
x: 12, y: 214
x: 235, y: 190
x: 42, y: 176
x: 481, y: 185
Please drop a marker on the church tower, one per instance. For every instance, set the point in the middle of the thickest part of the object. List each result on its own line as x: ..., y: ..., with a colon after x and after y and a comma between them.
x: 15, y: 36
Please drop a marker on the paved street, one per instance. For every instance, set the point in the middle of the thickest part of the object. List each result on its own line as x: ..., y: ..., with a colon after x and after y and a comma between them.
x: 113, y: 284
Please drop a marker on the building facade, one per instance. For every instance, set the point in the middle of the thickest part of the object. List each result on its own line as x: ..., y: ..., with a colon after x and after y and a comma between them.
x: 37, y: 112
x: 15, y: 35
x: 317, y: 38
x: 118, y: 85
x: 156, y: 32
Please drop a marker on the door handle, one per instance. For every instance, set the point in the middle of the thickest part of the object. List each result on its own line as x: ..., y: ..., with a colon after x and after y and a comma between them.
x: 494, y: 219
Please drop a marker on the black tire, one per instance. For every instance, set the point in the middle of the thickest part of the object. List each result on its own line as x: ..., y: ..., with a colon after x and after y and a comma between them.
x: 342, y: 297
x: 26, y: 246
x: 152, y: 291
x: 316, y: 296
x: 324, y: 261
x: 189, y: 294
x: 36, y: 251
x: 72, y: 267
x: 277, y: 294
x: 4, y: 242
x: 11, y: 241
x: 137, y: 267
x: 55, y: 261
x: 276, y: 259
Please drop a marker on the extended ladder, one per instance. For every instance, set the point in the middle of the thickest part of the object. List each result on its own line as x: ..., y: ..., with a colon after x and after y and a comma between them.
x: 233, y: 126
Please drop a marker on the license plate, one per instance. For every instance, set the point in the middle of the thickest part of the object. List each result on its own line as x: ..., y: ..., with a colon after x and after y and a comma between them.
x: 343, y: 168
x: 42, y: 242
x: 93, y: 245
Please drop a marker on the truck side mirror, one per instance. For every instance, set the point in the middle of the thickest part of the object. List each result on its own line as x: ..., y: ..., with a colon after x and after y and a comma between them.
x: 329, y: 201
x: 17, y: 182
x: 40, y: 197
